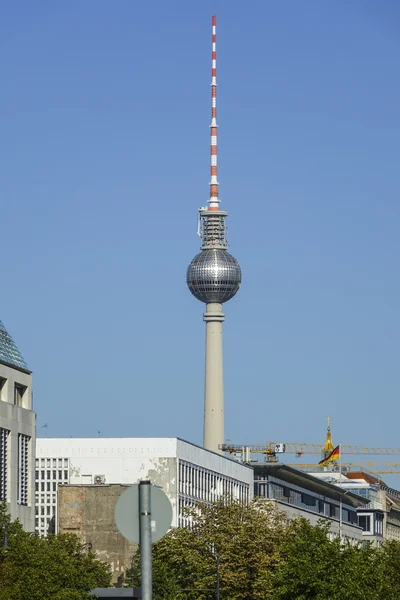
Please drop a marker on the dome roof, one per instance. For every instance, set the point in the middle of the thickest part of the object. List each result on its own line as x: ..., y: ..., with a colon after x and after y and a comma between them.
x: 214, y: 276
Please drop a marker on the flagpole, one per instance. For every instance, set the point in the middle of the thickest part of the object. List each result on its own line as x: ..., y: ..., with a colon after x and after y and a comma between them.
x: 341, y: 494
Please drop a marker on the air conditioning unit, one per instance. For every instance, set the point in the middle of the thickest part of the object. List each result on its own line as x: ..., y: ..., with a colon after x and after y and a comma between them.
x: 99, y: 479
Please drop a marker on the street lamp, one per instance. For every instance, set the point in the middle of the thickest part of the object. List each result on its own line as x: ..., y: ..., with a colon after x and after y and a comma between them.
x: 341, y: 513
x: 215, y: 554
x: 88, y: 545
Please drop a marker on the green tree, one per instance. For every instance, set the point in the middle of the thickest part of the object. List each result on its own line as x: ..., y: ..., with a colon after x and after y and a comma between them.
x: 52, y: 568
x: 313, y: 567
x: 241, y: 541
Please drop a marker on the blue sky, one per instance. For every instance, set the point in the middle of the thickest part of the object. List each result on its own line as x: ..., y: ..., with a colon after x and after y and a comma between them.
x: 104, y: 114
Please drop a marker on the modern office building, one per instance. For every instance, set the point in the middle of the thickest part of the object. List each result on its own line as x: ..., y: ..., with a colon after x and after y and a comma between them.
x: 17, y: 433
x: 187, y: 473
x: 299, y: 494
x: 379, y: 518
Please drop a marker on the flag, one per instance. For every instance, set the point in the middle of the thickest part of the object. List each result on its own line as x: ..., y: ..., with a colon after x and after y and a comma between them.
x: 334, y: 455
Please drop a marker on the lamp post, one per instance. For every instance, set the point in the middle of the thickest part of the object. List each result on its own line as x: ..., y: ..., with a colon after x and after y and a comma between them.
x: 341, y: 513
x: 215, y: 554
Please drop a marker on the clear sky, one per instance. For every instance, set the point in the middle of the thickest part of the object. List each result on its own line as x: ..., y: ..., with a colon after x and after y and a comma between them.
x: 105, y: 112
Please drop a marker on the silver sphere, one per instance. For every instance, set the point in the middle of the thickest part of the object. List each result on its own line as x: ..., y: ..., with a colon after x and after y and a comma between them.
x: 214, y: 276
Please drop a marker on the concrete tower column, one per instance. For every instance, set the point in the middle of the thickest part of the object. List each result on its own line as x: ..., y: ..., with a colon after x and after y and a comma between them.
x: 214, y: 379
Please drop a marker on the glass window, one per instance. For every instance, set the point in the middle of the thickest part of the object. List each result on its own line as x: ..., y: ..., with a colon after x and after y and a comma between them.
x: 364, y: 522
x: 19, y: 391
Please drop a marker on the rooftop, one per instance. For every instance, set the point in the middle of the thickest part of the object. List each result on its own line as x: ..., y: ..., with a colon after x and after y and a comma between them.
x: 307, y: 481
x: 9, y: 353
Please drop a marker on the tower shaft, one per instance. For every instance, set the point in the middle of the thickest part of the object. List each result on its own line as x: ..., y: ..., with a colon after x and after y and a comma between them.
x: 214, y: 381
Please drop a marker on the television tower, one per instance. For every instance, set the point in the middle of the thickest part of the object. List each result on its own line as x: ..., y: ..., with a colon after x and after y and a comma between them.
x: 213, y: 277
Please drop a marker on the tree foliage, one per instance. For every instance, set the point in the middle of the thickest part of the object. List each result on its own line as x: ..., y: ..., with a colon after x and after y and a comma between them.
x: 262, y: 556
x: 52, y: 568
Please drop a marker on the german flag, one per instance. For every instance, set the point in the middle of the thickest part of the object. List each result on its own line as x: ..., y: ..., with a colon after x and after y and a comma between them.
x: 334, y: 455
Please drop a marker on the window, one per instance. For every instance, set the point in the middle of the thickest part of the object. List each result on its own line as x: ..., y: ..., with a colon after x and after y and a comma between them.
x: 364, y: 522
x: 19, y: 391
x: 23, y: 470
x: 3, y: 463
x: 308, y: 500
x: 2, y: 389
x: 378, y: 524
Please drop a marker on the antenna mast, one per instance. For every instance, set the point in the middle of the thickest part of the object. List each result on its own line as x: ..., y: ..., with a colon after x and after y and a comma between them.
x: 214, y: 200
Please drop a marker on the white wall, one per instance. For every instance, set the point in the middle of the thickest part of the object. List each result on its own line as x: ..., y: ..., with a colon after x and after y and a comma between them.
x: 128, y: 460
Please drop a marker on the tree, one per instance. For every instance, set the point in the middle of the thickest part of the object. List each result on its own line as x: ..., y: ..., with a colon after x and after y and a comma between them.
x: 260, y: 555
x: 313, y: 567
x: 241, y: 542
x: 52, y: 568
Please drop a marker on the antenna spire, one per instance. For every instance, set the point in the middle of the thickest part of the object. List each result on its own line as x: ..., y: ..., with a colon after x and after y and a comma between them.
x: 214, y: 200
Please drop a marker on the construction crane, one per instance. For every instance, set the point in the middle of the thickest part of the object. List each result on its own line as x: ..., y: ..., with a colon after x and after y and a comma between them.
x: 374, y: 468
x: 271, y: 449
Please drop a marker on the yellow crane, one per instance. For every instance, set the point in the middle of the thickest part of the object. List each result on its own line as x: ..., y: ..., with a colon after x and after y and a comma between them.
x: 374, y: 468
x: 271, y: 449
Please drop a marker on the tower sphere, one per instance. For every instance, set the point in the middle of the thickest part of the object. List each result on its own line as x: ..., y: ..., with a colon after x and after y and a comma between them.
x: 214, y: 275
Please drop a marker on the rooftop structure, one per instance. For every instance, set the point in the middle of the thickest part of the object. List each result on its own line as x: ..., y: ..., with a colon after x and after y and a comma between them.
x: 9, y: 353
x: 213, y: 277
x: 17, y: 432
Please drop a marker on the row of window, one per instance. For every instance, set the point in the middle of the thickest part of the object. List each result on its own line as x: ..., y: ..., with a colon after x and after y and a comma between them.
x: 22, y: 468
x: 52, y: 475
x: 19, y: 392
x: 207, y: 486
x: 48, y: 463
x: 304, y: 500
x: 3, y: 463
x: 50, y: 486
x: 45, y: 498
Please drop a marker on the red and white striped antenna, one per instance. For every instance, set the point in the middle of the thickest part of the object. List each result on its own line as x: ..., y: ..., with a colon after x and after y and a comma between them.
x: 214, y: 200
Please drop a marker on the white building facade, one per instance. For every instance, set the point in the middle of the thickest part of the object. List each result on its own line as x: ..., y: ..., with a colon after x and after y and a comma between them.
x: 187, y: 473
x: 17, y: 433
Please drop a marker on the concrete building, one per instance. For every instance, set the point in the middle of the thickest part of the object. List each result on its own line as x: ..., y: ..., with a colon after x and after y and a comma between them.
x: 88, y: 512
x: 17, y: 433
x: 213, y: 277
x: 299, y: 494
x: 186, y: 472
